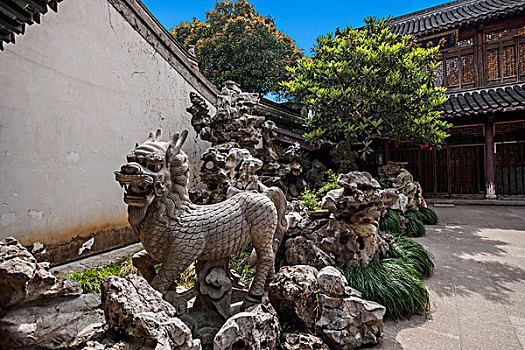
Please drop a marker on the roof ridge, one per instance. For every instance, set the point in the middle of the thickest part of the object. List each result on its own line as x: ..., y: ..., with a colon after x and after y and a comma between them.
x: 433, y: 9
x: 484, y: 88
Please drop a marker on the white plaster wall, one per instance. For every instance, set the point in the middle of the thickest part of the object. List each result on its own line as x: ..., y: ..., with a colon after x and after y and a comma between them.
x: 76, y: 93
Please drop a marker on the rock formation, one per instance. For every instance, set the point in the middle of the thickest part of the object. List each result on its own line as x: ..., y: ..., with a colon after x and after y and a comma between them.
x: 410, y: 193
x: 256, y: 329
x: 346, y: 320
x: 39, y: 311
x: 238, y: 137
x: 236, y: 132
x: 350, y: 235
x: 322, y: 302
x: 132, y: 305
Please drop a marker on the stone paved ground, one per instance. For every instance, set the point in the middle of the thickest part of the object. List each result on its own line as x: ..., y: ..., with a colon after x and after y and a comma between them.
x: 478, y: 288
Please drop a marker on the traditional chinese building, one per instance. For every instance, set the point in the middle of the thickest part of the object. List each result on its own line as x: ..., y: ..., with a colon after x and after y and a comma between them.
x: 483, y: 68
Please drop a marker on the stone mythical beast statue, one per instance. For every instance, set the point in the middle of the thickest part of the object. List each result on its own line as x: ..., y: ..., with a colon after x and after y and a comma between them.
x: 175, y: 232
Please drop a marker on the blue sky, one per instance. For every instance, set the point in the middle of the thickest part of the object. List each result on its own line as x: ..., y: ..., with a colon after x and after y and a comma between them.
x: 302, y: 20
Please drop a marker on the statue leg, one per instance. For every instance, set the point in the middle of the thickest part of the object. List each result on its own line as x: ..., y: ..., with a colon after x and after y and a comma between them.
x: 145, y: 264
x: 265, y: 265
x: 167, y: 274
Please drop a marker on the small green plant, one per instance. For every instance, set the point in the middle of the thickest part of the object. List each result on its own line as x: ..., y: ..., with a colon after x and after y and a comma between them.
x: 331, y: 185
x: 305, y: 163
x: 91, y: 279
x: 414, y: 226
x: 390, y: 222
x: 414, y: 253
x: 188, y: 278
x: 385, y: 183
x: 239, y: 263
x: 392, y: 282
x: 309, y: 199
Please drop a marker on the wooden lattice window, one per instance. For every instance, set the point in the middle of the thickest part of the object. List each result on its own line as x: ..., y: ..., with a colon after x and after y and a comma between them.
x: 493, y: 63
x: 439, y: 74
x: 521, y: 55
x: 509, y: 61
x: 452, y: 71
x: 467, y: 68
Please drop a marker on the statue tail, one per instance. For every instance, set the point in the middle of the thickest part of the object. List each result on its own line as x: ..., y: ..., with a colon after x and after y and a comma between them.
x: 279, y: 200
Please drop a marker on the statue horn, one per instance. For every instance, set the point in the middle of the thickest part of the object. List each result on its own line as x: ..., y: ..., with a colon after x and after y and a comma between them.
x: 179, y: 141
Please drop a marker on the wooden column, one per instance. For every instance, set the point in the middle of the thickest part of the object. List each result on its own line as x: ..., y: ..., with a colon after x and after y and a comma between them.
x: 490, y: 173
x: 386, y: 152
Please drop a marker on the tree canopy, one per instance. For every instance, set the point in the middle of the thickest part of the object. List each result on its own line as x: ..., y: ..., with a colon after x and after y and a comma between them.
x: 368, y: 83
x: 236, y: 43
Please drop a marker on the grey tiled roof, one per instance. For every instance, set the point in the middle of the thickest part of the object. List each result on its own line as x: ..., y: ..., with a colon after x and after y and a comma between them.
x: 485, y: 100
x: 455, y: 14
x: 15, y: 14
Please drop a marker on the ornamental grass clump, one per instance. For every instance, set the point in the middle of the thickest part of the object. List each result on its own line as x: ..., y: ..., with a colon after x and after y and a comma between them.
x: 428, y: 216
x: 414, y: 253
x: 414, y: 226
x: 392, y: 282
x: 390, y: 222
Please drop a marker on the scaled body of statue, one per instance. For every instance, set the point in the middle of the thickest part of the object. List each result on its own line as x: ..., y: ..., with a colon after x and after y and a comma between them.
x: 175, y: 232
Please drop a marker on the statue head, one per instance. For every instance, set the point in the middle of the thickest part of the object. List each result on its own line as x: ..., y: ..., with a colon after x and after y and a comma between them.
x: 147, y: 175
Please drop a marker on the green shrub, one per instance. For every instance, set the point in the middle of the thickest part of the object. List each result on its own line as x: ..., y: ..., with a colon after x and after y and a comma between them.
x: 390, y: 222
x: 239, y: 263
x: 392, y: 282
x: 309, y: 199
x: 414, y: 253
x: 428, y: 216
x: 91, y: 279
x: 414, y: 226
x: 385, y: 183
x: 331, y: 185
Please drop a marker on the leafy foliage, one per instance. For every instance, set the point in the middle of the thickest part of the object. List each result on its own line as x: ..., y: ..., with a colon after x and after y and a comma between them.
x: 385, y: 183
x: 311, y: 199
x: 392, y: 282
x: 369, y: 83
x: 390, y: 222
x: 239, y: 263
x: 236, y: 43
x: 413, y: 253
x: 331, y: 185
x: 414, y: 226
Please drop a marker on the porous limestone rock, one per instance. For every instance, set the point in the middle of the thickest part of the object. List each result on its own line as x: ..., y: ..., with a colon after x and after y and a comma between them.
x: 404, y: 183
x: 350, y: 236
x: 24, y: 281
x: 55, y: 324
x: 390, y: 170
x: 315, y: 175
x: 302, y: 341
x: 293, y: 293
x: 254, y: 329
x: 302, y: 251
x: 344, y: 157
x: 346, y: 321
x: 133, y: 305
x: 360, y: 200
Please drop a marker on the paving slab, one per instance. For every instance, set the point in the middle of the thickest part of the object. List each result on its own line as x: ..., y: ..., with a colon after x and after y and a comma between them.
x: 478, y: 288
